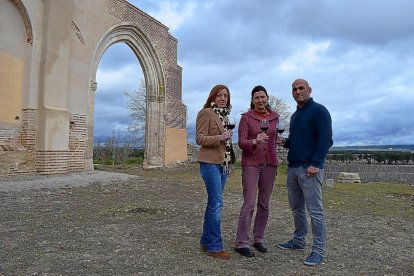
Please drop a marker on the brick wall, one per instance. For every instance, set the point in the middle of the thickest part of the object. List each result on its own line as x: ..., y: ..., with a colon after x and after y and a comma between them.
x: 28, y: 129
x: 175, y: 110
x: 77, y: 142
x: 9, y: 134
x: 57, y: 162
x: 17, y: 145
x: 52, y: 162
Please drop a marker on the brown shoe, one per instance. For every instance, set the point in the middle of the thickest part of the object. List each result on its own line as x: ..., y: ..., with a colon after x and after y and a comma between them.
x: 221, y: 255
x: 203, y: 248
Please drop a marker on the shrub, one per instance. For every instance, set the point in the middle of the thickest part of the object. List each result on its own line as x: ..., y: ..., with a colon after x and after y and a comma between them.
x: 135, y: 160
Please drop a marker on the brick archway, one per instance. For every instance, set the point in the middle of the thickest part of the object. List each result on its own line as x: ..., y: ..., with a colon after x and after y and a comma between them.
x: 26, y: 20
x: 64, y: 41
x: 155, y: 87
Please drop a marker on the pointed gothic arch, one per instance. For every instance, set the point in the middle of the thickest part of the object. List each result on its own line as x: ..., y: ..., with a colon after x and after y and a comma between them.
x: 154, y: 82
x: 65, y: 41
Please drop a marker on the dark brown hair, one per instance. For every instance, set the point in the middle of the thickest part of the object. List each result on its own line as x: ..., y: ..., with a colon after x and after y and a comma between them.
x: 213, y: 93
x: 257, y: 89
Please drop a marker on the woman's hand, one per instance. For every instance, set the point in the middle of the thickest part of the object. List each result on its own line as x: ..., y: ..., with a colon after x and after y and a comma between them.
x: 226, y: 135
x: 280, y: 141
x: 261, y: 138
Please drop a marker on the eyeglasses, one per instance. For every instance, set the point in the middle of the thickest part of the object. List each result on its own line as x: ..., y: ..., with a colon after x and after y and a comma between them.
x: 301, y: 88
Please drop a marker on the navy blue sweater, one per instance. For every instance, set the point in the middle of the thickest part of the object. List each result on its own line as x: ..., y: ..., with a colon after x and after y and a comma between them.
x: 310, y: 136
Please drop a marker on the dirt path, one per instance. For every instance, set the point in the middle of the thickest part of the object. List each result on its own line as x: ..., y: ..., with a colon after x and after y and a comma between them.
x: 148, y: 226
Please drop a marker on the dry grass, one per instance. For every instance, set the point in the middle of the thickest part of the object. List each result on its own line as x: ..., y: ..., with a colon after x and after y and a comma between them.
x: 379, y: 199
x: 150, y: 225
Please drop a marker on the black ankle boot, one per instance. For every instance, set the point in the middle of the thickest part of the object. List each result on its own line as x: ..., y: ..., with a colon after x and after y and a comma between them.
x: 245, y: 251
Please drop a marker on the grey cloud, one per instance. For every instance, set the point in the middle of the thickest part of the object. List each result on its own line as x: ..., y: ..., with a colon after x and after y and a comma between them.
x: 389, y: 122
x: 117, y: 56
x: 359, y: 77
x: 368, y: 22
x: 229, y: 30
x: 107, y: 117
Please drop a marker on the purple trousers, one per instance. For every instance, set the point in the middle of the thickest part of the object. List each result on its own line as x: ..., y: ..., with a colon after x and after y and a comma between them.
x: 258, y: 181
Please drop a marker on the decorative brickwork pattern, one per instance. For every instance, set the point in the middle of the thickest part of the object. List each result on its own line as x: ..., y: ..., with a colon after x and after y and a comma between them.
x: 77, y: 142
x: 77, y: 33
x: 52, y: 162
x: 28, y: 128
x: 9, y: 134
x: 26, y: 20
x: 11, y: 147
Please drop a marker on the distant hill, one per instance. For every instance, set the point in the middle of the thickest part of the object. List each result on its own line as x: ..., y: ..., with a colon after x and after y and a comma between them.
x: 375, y: 148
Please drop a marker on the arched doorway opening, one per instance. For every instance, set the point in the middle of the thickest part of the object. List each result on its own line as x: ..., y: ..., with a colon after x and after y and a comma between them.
x: 119, y: 107
x: 154, y: 86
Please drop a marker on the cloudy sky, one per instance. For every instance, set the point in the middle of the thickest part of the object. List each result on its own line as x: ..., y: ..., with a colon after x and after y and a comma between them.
x: 358, y: 56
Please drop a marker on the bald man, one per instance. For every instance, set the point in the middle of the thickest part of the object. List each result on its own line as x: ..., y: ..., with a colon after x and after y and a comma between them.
x: 310, y: 137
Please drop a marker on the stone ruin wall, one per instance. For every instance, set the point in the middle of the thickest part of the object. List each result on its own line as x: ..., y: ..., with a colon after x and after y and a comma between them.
x: 373, y: 172
x: 17, y: 148
x: 17, y: 140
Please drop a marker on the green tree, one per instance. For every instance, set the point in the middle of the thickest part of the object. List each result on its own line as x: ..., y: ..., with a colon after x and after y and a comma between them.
x: 379, y: 157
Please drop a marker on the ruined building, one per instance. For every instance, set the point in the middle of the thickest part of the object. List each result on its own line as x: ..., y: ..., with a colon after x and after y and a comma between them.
x: 49, y: 53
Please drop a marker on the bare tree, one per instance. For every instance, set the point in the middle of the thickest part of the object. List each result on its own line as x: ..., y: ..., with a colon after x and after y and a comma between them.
x: 138, y: 107
x: 111, y: 145
x: 116, y: 149
x: 281, y: 107
x: 124, y: 146
x: 98, y: 150
x: 120, y: 145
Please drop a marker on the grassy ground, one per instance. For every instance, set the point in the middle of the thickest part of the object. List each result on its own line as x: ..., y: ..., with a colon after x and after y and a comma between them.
x: 379, y: 199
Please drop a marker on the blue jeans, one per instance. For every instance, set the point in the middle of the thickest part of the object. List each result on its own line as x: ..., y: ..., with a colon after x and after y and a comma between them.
x: 306, y: 192
x: 214, y: 179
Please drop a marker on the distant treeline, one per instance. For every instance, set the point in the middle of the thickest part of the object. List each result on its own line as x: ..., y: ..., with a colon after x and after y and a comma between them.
x: 371, y: 149
x: 385, y: 157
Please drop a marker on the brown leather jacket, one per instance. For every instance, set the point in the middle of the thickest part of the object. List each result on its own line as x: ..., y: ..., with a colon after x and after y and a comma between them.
x: 208, y: 131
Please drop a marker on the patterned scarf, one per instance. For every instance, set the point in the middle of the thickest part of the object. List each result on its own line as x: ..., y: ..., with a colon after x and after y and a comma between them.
x: 223, y: 115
